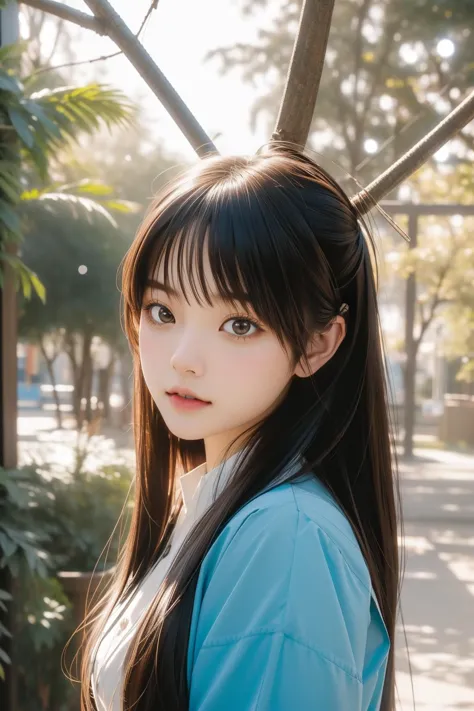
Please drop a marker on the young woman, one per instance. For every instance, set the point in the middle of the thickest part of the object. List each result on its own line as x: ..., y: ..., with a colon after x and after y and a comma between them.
x: 261, y: 567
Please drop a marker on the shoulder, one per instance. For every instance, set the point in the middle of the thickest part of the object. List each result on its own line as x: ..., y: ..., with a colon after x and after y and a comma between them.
x: 289, y: 564
x: 291, y: 516
x: 284, y: 601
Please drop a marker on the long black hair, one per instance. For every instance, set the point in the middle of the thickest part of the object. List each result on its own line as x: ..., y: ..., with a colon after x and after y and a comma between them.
x: 278, y: 227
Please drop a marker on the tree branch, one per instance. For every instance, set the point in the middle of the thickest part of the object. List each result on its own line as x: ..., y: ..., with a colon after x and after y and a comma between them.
x: 415, y: 157
x: 304, y: 75
x: 156, y: 80
x: 426, y: 322
x: 435, y: 302
x: 107, y: 21
x: 101, y: 58
x: 343, y: 112
x: 57, y: 67
x: 61, y: 10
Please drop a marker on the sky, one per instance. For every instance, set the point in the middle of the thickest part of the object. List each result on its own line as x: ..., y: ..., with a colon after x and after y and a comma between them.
x: 178, y: 35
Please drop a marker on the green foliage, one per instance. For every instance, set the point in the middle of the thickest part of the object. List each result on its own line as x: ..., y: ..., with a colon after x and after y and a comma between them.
x: 84, y: 199
x: 24, y: 276
x: 43, y: 625
x: 21, y: 539
x: 56, y: 246
x: 34, y: 127
x: 368, y: 88
x: 134, y: 167
x: 49, y: 524
x: 443, y: 262
x: 45, y: 121
x: 86, y: 511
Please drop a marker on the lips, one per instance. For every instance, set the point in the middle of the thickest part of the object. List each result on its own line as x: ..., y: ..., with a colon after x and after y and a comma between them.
x: 186, y: 394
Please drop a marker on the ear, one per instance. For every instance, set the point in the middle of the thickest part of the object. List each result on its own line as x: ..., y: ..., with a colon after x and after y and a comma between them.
x: 321, y: 348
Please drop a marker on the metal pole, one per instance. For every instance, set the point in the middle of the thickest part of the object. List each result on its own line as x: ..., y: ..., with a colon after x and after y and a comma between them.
x: 8, y: 395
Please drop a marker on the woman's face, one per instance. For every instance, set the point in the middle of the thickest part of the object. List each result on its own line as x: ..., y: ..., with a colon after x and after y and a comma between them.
x: 221, y: 354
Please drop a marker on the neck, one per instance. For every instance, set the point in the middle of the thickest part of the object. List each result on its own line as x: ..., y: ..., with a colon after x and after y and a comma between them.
x: 217, y: 449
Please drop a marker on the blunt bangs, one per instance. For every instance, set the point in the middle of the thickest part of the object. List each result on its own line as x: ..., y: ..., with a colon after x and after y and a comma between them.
x: 261, y: 250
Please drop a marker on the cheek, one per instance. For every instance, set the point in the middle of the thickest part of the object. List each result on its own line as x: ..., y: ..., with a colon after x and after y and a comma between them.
x: 262, y: 368
x: 150, y: 355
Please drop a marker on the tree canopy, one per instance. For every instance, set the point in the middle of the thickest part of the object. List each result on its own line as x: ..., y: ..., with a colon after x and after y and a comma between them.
x: 393, y: 70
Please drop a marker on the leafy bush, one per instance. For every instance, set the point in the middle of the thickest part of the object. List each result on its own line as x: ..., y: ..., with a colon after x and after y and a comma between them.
x: 49, y: 524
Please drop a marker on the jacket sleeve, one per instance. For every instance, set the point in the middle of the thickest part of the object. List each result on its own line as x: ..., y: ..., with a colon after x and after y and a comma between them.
x: 283, y: 623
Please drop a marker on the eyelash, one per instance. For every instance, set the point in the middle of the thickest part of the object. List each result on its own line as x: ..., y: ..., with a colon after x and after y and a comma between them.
x: 148, y: 307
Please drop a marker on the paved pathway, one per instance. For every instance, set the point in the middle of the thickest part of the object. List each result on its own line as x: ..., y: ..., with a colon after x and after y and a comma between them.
x: 438, y: 485
x: 438, y: 588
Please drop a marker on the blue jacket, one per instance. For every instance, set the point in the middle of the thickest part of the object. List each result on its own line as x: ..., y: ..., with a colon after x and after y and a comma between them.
x: 285, y: 618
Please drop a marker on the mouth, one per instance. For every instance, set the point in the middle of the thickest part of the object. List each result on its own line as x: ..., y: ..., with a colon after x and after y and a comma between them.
x: 186, y: 394
x: 183, y: 399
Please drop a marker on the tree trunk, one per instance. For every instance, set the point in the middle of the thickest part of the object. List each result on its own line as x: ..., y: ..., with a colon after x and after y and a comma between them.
x: 52, y: 378
x: 80, y: 375
x: 125, y: 371
x: 69, y: 344
x: 88, y: 378
x: 411, y: 348
x: 105, y: 378
x: 8, y: 392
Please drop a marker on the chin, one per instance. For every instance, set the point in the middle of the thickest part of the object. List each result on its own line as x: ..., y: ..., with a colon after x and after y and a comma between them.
x: 186, y: 430
x: 187, y: 436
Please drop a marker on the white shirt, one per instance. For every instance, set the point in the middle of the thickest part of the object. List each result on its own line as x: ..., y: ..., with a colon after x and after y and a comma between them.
x: 199, y: 489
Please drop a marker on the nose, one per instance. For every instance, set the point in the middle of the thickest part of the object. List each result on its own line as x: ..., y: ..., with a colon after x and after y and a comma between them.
x: 186, y: 357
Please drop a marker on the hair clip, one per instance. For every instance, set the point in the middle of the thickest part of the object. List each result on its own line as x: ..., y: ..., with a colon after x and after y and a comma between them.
x: 344, y: 309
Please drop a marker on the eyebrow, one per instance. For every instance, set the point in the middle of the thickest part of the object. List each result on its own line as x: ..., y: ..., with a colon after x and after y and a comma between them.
x: 240, y: 296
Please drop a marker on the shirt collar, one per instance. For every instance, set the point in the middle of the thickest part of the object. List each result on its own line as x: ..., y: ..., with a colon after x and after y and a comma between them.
x: 199, y: 488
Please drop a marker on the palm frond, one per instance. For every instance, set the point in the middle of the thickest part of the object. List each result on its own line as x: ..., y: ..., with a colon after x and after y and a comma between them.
x: 45, y: 121
x: 24, y: 277
x: 84, y: 199
x: 60, y: 205
x: 81, y: 109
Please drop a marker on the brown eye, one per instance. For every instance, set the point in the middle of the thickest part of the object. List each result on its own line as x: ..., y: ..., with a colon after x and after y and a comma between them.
x: 240, y: 327
x: 160, y: 314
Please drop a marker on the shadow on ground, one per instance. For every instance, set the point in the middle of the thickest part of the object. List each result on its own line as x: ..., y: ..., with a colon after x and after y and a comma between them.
x: 438, y: 614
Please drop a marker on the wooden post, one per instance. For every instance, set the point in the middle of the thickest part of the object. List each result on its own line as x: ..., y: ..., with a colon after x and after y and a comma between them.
x: 8, y: 398
x: 304, y: 74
